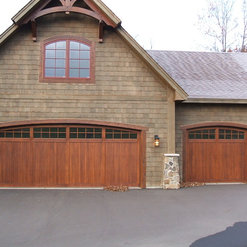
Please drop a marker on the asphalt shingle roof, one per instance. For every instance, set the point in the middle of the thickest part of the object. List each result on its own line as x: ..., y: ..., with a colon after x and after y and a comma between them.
x: 206, y: 75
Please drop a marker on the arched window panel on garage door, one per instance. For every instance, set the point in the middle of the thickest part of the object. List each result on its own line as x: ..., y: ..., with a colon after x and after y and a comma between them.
x: 205, y: 134
x: 231, y: 134
x: 120, y: 134
x: 49, y: 132
x: 15, y: 133
x: 70, y: 132
x: 85, y: 133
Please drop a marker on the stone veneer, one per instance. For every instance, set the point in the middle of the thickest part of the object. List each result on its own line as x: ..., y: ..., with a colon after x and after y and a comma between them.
x: 171, y: 177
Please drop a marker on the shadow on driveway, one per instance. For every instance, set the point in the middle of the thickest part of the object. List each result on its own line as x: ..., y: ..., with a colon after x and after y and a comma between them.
x: 235, y: 236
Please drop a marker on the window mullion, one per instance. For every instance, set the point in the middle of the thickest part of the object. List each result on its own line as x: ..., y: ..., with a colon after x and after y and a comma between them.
x: 67, y: 57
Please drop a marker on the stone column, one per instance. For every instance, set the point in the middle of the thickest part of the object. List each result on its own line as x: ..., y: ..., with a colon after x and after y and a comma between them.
x: 171, y: 177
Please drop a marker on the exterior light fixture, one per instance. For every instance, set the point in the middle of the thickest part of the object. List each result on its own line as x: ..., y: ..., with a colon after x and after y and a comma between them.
x: 156, y: 141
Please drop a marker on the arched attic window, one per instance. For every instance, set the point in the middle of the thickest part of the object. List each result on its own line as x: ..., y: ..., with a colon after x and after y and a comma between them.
x: 67, y: 59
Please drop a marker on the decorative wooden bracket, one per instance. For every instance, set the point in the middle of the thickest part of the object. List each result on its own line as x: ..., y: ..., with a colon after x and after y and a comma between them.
x: 101, y: 31
x: 68, y: 4
x: 67, y: 10
x: 68, y: 7
x: 34, y: 30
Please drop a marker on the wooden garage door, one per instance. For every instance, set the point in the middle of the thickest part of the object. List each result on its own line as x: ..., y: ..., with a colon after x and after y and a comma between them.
x: 215, y: 154
x: 61, y: 155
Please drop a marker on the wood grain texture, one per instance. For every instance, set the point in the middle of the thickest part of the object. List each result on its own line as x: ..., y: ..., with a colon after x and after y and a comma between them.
x: 122, y: 164
x: 37, y: 162
x: 213, y: 161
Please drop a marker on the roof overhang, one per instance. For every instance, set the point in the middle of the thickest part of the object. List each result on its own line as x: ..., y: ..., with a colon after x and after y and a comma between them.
x: 7, y: 33
x: 214, y: 101
x: 27, y: 9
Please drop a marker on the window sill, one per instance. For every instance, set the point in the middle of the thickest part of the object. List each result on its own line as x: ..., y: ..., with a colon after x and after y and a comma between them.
x: 68, y: 80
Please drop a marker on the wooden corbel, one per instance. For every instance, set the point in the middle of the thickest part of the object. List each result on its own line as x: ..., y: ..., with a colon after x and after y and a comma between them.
x: 67, y: 7
x: 34, y: 30
x: 101, y: 31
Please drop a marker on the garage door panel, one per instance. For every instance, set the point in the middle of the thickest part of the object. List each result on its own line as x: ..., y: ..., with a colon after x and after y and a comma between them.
x: 23, y: 164
x: 15, y: 166
x: 133, y: 167
x: 213, y: 168
x: 44, y: 164
x: 215, y: 155
x: 75, y: 156
x: 195, y: 163
x: 62, y: 164
x: 200, y: 161
x: 94, y: 164
x: 86, y: 164
x: 76, y: 167
x: 5, y: 163
x: 50, y: 164
x: 232, y: 161
x: 7, y: 169
x: 122, y: 164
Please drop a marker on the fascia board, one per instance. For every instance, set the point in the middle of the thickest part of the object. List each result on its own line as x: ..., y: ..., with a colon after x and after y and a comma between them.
x: 6, y: 34
x: 214, y: 101
x: 107, y: 11
x: 26, y: 9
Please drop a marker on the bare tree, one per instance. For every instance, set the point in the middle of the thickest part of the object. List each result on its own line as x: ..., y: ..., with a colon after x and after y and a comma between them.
x: 217, y: 22
x: 244, y: 30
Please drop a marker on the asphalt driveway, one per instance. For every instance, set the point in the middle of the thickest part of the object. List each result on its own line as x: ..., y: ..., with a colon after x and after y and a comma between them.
x: 197, y: 217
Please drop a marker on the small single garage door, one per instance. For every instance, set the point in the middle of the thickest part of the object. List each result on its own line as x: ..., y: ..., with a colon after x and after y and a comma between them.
x: 215, y: 154
x: 70, y: 156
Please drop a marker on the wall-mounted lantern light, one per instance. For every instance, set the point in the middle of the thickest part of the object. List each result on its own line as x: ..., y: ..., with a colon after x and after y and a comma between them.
x: 156, y: 141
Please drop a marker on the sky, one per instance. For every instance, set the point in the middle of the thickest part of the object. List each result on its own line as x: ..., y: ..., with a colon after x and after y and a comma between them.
x: 155, y: 24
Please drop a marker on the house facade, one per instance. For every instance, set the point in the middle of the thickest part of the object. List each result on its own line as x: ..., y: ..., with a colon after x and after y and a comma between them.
x: 81, y: 105
x: 211, y: 122
x: 81, y: 101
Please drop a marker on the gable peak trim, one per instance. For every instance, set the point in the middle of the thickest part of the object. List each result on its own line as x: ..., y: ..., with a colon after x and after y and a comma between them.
x: 37, y: 8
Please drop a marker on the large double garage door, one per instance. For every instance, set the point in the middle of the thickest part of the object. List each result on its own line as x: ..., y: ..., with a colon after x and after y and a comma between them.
x: 70, y: 155
x: 215, y: 154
